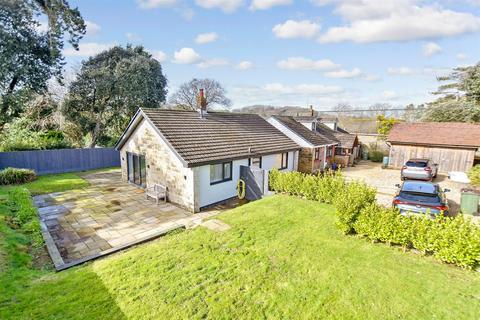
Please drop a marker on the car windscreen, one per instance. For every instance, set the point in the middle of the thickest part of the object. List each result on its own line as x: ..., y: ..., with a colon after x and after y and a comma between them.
x: 419, y: 187
x: 416, y: 164
x: 420, y: 197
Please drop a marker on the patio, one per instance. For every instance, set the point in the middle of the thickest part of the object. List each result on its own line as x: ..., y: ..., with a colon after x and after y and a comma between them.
x: 107, y: 216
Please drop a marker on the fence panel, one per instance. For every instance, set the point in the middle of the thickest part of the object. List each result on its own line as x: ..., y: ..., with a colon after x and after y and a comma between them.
x: 62, y: 160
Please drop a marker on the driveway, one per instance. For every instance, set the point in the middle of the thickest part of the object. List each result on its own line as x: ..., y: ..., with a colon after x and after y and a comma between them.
x: 384, y: 180
x: 109, y: 215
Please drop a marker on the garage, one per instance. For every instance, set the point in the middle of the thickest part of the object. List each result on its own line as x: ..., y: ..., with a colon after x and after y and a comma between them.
x: 453, y: 146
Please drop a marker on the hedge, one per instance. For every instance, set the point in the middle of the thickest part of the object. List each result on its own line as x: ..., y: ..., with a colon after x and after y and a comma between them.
x: 16, y: 176
x: 474, y: 175
x: 451, y: 240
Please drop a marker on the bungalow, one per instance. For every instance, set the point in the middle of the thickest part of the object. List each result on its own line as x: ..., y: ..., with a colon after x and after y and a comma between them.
x: 317, y: 150
x: 453, y: 146
x: 197, y: 155
x: 348, y: 148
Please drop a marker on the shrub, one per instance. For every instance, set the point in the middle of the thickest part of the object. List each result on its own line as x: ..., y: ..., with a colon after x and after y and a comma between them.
x: 474, y: 175
x: 313, y: 187
x: 16, y: 176
x: 24, y: 215
x: 350, y: 201
x: 452, y: 240
x: 376, y: 156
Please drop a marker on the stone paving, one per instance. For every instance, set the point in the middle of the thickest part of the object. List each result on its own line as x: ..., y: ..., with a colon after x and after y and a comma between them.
x: 79, y: 225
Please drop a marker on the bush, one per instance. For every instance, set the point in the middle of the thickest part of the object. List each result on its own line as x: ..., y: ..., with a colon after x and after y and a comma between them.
x: 313, y: 187
x: 23, y: 214
x: 376, y: 156
x: 474, y: 175
x: 16, y: 176
x: 451, y: 240
x: 350, y: 201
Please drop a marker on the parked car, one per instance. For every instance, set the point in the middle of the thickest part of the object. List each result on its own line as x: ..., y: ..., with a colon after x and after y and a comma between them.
x: 419, y: 169
x: 421, y: 197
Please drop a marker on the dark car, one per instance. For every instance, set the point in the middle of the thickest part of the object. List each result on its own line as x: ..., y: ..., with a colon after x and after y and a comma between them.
x: 421, y: 169
x: 422, y: 198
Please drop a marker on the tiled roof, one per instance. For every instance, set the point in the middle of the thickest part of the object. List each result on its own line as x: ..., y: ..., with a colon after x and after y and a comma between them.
x: 309, y: 135
x: 217, y: 136
x: 346, y: 140
x: 436, y: 133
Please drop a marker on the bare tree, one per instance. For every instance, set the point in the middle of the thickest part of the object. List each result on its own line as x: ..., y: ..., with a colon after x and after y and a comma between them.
x: 186, y: 96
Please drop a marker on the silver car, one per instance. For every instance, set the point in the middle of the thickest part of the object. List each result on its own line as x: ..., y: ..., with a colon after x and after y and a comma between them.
x: 419, y: 169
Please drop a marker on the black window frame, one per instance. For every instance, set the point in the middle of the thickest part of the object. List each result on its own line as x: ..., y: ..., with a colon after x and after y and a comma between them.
x: 223, y: 172
x: 286, y: 161
x: 250, y: 161
x: 317, y: 154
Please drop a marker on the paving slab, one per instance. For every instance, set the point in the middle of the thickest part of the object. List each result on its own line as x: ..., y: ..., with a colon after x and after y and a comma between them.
x: 80, y: 225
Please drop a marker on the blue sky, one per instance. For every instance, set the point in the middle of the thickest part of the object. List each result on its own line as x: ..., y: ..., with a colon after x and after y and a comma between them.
x: 288, y: 52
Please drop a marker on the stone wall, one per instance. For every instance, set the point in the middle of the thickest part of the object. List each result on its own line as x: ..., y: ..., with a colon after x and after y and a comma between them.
x: 305, y: 160
x: 163, y: 166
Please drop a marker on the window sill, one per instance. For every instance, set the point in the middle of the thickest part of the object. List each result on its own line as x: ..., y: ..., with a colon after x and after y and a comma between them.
x: 220, y: 181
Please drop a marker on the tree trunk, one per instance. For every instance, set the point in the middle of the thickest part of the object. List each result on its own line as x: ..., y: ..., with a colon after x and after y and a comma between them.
x: 95, y: 132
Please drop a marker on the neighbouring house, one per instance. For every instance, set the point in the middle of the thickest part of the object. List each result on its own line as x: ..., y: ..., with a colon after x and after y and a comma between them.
x: 197, y: 155
x: 453, y: 146
x: 317, y: 150
x: 348, y: 149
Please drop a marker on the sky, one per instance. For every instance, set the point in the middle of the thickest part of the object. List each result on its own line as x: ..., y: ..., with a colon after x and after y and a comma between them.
x: 291, y: 52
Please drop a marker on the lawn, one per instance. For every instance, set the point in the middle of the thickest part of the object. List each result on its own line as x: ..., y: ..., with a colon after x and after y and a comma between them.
x: 283, y: 258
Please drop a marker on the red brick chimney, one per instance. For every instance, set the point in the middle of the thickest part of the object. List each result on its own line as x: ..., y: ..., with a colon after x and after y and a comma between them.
x: 202, y: 103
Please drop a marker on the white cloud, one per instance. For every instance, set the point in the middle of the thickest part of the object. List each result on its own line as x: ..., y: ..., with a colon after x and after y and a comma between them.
x: 186, y: 56
x: 461, y: 56
x: 244, y: 65
x: 431, y: 48
x: 133, y: 37
x: 401, y: 71
x: 389, y: 94
x: 227, y: 6
x: 151, y: 4
x: 309, y: 89
x: 296, y: 29
x: 300, y: 63
x: 344, y: 74
x: 87, y: 49
x: 396, y: 20
x: 92, y: 28
x: 160, y: 56
x: 267, y: 4
x: 215, y: 62
x: 370, y: 77
x: 206, y: 38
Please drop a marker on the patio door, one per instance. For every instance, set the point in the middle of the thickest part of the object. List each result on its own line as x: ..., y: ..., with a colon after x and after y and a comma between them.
x: 137, y: 173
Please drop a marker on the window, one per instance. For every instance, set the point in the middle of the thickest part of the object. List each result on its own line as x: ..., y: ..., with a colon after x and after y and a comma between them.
x: 313, y: 126
x: 329, y: 152
x: 317, y: 153
x: 284, y: 162
x: 255, y: 162
x: 220, y: 172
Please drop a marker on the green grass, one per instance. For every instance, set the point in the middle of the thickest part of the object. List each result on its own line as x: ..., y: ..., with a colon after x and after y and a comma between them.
x: 283, y: 258
x: 55, y: 183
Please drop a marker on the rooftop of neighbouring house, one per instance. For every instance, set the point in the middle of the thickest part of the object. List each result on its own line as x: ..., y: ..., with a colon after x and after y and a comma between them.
x: 346, y: 140
x: 214, y: 137
x: 310, y: 136
x: 452, y: 134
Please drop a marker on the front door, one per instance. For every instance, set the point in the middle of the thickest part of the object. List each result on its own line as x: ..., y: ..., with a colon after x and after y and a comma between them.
x: 137, y: 173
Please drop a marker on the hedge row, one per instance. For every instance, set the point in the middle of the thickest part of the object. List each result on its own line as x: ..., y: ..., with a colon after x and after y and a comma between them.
x: 452, y: 240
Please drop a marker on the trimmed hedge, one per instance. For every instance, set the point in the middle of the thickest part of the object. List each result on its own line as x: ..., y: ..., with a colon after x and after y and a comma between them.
x: 321, y: 188
x: 16, y: 176
x: 451, y: 240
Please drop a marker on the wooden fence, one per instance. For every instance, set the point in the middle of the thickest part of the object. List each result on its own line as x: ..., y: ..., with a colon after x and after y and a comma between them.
x: 62, y: 160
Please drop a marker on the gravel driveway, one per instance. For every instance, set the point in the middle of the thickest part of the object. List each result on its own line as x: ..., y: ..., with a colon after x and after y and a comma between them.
x: 384, y: 180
